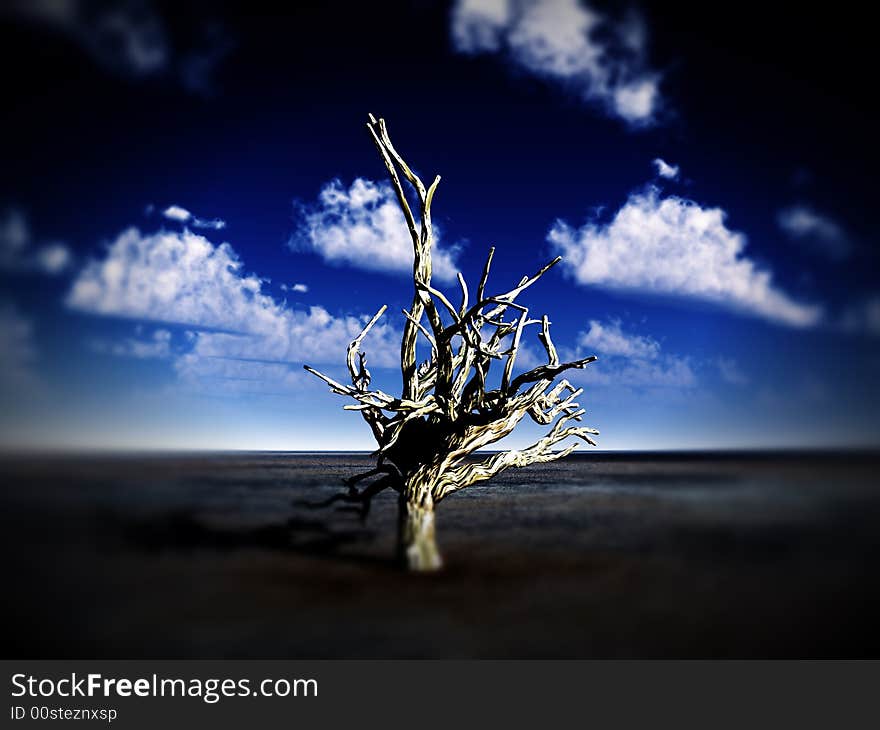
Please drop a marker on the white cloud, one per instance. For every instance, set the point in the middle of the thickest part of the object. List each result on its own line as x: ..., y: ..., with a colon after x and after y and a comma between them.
x: 478, y: 27
x: 171, y: 276
x: 156, y: 346
x: 176, y: 213
x: 610, y: 339
x: 674, y: 246
x: 17, y: 353
x: 215, y: 224
x: 670, y: 371
x: 181, y: 277
x: 565, y: 41
x: 227, y: 377
x: 637, y: 101
x: 17, y: 253
x: 731, y: 372
x: 297, y: 288
x: 630, y: 360
x: 15, y: 236
x: 54, y: 258
x: 363, y: 226
x: 664, y: 169
x: 313, y: 336
x: 816, y: 229
x: 182, y: 215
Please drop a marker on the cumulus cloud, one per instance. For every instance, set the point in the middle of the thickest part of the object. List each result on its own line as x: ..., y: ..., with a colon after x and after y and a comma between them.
x: 170, y: 276
x: 182, y: 278
x: 664, y: 169
x: 601, y: 59
x: 296, y: 288
x: 630, y: 360
x: 18, y: 253
x: 363, y: 226
x: 817, y: 230
x: 670, y: 245
x: 182, y: 215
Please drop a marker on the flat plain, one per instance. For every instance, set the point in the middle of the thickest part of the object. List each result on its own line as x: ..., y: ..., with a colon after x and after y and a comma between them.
x: 600, y: 555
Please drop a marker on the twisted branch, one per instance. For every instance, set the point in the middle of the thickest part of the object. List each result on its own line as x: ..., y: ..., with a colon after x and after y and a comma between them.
x: 447, y: 393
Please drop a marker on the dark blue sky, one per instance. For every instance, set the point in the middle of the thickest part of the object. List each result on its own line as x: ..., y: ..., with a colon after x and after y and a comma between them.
x: 735, y: 303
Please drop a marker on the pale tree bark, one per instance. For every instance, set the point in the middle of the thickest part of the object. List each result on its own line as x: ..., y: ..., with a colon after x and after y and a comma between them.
x: 445, y: 412
x: 416, y: 539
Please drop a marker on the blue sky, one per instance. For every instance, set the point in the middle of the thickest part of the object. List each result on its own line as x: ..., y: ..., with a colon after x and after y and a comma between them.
x: 193, y: 209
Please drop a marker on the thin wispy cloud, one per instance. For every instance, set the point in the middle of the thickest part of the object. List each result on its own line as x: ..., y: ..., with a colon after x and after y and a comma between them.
x: 601, y: 59
x: 127, y: 37
x: 817, y: 230
x: 294, y: 335
x: 731, y: 372
x: 363, y: 226
x: 179, y: 214
x: 156, y: 346
x: 17, y: 352
x: 19, y: 253
x: 610, y: 339
x: 228, y: 377
x: 630, y: 360
x: 15, y: 235
x: 863, y: 318
x: 674, y: 246
x: 665, y: 170
x: 197, y: 66
x: 130, y: 38
x: 53, y: 258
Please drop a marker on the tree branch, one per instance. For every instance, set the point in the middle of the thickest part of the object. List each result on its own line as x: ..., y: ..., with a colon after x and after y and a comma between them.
x: 445, y: 403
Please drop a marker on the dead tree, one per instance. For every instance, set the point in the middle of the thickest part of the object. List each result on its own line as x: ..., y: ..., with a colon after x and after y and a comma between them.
x: 447, y: 410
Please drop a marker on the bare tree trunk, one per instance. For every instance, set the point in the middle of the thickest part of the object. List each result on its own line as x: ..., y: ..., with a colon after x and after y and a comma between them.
x: 416, y: 543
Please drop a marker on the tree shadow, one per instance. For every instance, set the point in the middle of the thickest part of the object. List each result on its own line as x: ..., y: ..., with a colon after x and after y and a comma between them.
x: 327, y: 528
x: 358, y: 501
x: 324, y: 537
